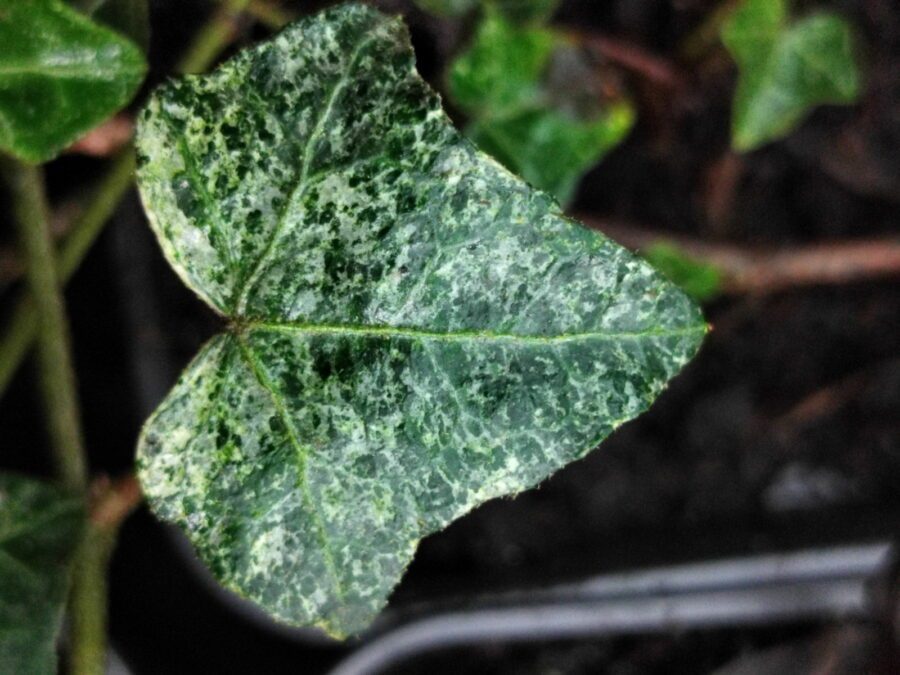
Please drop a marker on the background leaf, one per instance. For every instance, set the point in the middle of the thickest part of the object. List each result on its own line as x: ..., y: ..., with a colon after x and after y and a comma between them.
x: 526, y: 11
x: 528, y: 93
x: 60, y: 75
x: 786, y: 69
x: 130, y: 17
x: 447, y: 7
x: 39, y: 531
x: 413, y: 329
x: 520, y: 11
x: 700, y: 280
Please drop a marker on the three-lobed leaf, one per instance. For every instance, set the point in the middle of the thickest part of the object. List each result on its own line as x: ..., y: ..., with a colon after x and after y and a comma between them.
x: 526, y: 90
x: 39, y: 531
x: 61, y: 74
x: 786, y: 69
x: 412, y: 329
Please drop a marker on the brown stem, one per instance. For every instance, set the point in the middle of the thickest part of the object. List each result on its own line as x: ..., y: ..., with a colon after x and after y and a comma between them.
x: 632, y: 57
x: 113, y: 501
x: 760, y: 271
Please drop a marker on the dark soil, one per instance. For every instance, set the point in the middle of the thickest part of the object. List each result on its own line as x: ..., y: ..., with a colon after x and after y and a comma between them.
x: 783, y: 433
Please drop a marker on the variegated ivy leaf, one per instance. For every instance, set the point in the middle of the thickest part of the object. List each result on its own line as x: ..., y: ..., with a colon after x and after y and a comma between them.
x: 412, y: 329
x: 39, y: 531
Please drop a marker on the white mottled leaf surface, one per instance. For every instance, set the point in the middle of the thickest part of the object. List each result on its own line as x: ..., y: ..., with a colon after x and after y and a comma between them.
x: 412, y: 330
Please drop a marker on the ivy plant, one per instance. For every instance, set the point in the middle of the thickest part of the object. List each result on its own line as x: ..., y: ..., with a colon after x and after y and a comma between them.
x: 39, y: 530
x: 787, y: 68
x: 410, y: 329
x: 61, y: 74
x: 527, y: 92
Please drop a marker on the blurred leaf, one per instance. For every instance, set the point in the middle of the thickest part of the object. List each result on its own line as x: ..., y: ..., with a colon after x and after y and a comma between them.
x: 528, y: 94
x: 549, y: 148
x: 786, y: 69
x: 412, y: 330
x: 130, y: 17
x: 61, y: 74
x: 39, y: 531
x: 700, y: 280
x: 447, y: 7
x: 520, y: 11
x: 501, y: 73
x: 526, y: 11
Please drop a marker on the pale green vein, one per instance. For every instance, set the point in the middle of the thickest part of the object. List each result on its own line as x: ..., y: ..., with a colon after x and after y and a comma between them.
x: 81, y: 71
x: 466, y: 336
x: 262, y: 376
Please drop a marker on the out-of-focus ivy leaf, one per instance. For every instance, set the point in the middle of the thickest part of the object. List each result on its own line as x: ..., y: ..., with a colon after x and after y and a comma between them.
x: 526, y: 91
x: 412, y: 329
x: 550, y: 148
x: 519, y: 11
x: 698, y: 279
x: 786, y: 69
x: 61, y: 74
x: 39, y: 531
x: 525, y: 11
x: 447, y: 7
x: 501, y: 72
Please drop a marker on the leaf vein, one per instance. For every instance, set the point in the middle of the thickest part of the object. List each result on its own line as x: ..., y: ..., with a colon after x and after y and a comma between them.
x: 266, y: 383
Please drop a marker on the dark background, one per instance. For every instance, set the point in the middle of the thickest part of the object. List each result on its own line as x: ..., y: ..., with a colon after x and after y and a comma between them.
x: 783, y: 433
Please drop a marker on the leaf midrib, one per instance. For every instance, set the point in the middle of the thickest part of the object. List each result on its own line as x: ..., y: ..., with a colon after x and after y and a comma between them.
x: 465, y: 335
x: 76, y: 71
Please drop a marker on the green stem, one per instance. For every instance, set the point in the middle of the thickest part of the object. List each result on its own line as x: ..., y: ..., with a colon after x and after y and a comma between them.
x: 111, y: 504
x: 22, y: 326
x: 217, y: 33
x: 87, y: 601
x: 270, y: 15
x: 57, y: 377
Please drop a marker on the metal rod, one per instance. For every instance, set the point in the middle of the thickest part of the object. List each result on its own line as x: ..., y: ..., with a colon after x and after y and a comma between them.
x: 810, y: 585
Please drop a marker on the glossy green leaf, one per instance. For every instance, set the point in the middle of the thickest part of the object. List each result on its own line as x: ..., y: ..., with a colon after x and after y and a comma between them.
x: 39, y: 531
x: 698, y: 279
x: 786, y: 69
x: 412, y: 329
x: 527, y: 91
x: 60, y: 75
